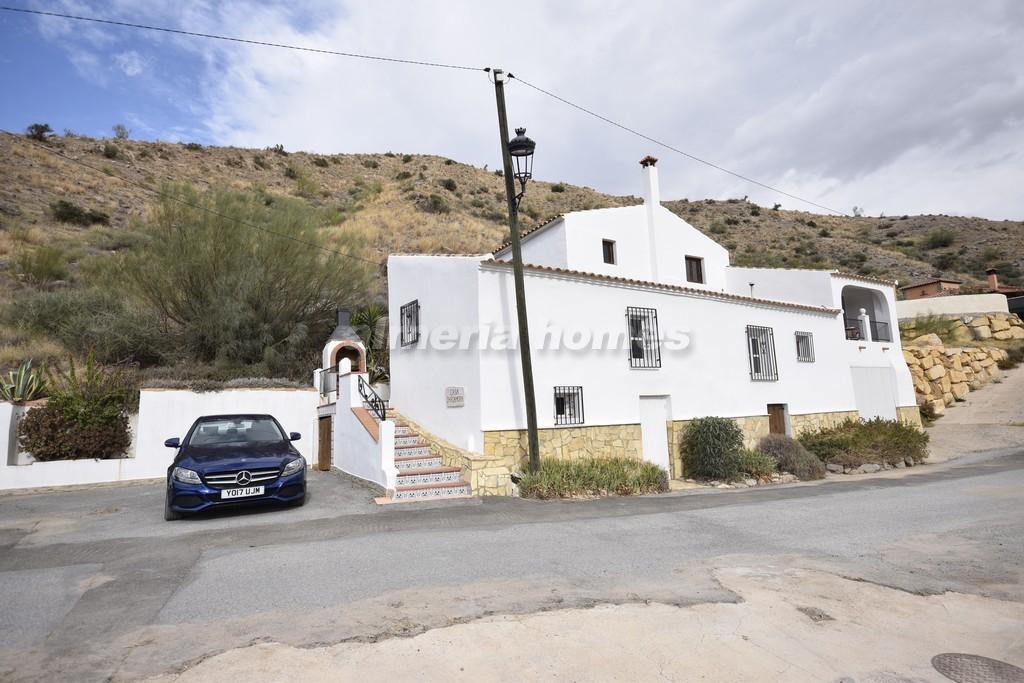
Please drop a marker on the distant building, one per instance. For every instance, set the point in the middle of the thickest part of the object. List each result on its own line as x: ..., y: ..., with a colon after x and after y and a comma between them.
x: 1009, y: 291
x: 934, y: 287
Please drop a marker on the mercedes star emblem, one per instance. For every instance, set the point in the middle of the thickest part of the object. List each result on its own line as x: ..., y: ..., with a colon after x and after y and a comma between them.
x: 243, y: 478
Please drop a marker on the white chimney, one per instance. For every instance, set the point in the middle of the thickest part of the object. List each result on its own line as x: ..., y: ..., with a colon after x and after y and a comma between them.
x: 652, y: 201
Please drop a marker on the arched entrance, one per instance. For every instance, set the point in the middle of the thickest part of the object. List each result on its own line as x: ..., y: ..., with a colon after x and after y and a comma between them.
x: 353, y: 353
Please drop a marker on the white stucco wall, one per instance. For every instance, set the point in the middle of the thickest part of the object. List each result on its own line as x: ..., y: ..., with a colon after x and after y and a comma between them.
x: 446, y: 288
x: 952, y: 305
x: 168, y: 413
x: 545, y: 247
x: 812, y: 287
x: 354, y: 450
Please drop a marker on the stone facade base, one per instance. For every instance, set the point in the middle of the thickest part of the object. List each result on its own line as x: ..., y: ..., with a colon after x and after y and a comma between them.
x: 568, y: 443
x: 910, y: 415
x: 814, y: 422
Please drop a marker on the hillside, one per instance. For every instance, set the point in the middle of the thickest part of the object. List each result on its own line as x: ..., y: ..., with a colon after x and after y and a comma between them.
x: 415, y: 203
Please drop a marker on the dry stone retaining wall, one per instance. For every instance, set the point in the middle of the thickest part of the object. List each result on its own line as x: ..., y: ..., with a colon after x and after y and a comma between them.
x: 975, y: 328
x: 944, y: 374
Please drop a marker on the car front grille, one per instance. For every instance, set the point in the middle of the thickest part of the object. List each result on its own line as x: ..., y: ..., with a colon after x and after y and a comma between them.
x: 222, y: 479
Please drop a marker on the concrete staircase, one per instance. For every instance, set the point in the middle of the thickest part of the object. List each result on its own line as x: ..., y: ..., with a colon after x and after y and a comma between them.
x: 421, y: 473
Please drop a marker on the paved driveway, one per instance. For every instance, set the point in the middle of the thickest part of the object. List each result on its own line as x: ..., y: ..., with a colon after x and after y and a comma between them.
x: 95, y: 586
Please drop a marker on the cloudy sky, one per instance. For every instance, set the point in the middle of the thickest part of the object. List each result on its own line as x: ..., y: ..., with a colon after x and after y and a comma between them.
x: 897, y: 107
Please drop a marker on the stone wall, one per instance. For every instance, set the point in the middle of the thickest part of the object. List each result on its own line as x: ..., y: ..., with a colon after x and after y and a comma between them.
x: 569, y: 443
x: 488, y: 474
x: 814, y: 422
x: 974, y: 328
x: 944, y: 374
x: 910, y: 415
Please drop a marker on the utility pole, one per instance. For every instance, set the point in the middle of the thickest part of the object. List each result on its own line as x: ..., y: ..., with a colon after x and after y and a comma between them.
x: 517, y: 270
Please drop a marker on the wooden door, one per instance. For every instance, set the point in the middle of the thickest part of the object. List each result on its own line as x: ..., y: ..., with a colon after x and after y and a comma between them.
x: 324, y: 450
x: 776, y: 418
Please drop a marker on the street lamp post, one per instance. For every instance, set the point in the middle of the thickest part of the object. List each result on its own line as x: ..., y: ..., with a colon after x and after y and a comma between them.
x: 519, y: 149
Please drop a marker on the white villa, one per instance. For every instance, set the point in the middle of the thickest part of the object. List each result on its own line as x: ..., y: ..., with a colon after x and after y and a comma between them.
x: 638, y: 324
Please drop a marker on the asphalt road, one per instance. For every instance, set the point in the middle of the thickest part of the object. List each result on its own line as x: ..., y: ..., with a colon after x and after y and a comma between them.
x: 95, y: 586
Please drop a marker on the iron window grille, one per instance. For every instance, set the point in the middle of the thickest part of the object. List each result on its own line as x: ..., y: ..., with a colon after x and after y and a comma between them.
x: 568, y: 405
x: 761, y: 351
x: 644, y: 347
x: 805, y: 347
x: 694, y: 269
x: 410, y: 317
x: 608, y: 251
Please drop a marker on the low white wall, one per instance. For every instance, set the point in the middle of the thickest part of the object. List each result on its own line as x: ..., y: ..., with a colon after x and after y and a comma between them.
x: 354, y: 450
x: 164, y: 414
x: 952, y: 305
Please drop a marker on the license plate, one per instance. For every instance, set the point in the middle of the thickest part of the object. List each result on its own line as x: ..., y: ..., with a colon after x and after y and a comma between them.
x: 242, y: 493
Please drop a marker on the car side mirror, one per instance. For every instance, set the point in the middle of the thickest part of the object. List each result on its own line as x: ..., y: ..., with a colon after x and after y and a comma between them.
x: 294, y: 436
x: 173, y: 443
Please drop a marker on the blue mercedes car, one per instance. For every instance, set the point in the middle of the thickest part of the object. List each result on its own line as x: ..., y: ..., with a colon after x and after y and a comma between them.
x: 227, y: 460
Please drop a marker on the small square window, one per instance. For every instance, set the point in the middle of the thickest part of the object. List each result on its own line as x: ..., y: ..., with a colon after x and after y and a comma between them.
x: 568, y: 405
x: 608, y: 250
x: 410, y: 320
x: 694, y: 269
x: 805, y: 347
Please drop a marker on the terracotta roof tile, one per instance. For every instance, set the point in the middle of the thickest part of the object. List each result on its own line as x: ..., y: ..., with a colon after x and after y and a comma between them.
x: 865, y: 278
x: 705, y: 293
x: 529, y: 231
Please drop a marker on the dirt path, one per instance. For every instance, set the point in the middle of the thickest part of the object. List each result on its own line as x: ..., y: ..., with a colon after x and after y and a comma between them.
x: 989, y: 419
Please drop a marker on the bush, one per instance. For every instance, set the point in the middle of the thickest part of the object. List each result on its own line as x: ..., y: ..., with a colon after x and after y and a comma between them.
x: 593, y: 477
x: 558, y: 187
x: 879, y: 441
x: 41, y: 265
x: 406, y: 158
x: 69, y: 212
x: 121, y: 131
x: 790, y: 456
x: 449, y: 184
x: 323, y: 163
x: 110, y: 150
x: 939, y: 238
x: 435, y: 204
x: 85, y: 417
x: 403, y: 175
x: 824, y: 232
x: 1014, y: 357
x: 756, y: 464
x: 193, y: 146
x: 711, y: 448
x: 39, y: 131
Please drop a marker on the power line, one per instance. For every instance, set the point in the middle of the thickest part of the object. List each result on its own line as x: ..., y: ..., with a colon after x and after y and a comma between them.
x: 672, y: 148
x: 198, y: 207
x: 213, y: 36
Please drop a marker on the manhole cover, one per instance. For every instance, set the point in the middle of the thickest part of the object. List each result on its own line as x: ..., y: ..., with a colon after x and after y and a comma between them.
x: 976, y: 669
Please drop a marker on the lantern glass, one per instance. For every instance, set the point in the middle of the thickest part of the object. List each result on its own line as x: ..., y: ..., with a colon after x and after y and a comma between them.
x: 521, y: 149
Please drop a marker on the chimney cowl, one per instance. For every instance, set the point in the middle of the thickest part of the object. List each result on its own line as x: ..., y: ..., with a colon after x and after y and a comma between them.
x: 344, y: 316
x: 648, y: 161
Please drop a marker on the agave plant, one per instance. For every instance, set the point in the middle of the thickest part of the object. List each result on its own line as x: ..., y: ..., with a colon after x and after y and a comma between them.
x: 371, y: 324
x: 23, y: 384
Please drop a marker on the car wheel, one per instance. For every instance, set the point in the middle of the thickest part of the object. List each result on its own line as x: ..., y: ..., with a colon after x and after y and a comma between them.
x: 169, y: 514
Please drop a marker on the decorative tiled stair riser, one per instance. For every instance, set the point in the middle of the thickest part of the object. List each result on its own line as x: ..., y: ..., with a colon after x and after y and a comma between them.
x: 408, y: 440
x: 433, y: 492
x: 417, y: 461
x: 421, y: 472
x: 406, y: 451
x: 428, y: 475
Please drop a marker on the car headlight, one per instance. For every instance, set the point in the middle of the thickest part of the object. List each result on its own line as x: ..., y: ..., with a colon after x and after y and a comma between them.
x: 186, y: 476
x: 293, y: 467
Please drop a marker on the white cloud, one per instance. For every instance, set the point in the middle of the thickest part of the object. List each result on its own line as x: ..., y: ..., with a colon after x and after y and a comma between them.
x: 130, y: 63
x: 899, y: 107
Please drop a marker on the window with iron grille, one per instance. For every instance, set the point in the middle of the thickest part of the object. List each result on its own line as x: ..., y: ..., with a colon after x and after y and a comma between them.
x: 608, y: 251
x: 805, y: 347
x: 761, y: 350
x: 644, y: 348
x: 568, y: 405
x: 410, y: 317
x: 694, y: 269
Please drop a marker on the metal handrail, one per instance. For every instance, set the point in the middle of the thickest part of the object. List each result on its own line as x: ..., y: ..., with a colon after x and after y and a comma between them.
x: 370, y: 397
x: 880, y: 331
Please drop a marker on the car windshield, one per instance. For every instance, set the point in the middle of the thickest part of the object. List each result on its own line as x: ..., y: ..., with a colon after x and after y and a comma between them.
x: 235, y: 430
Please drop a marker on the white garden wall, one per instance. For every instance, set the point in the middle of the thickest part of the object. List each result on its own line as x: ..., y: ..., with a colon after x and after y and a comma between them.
x: 952, y: 305
x: 354, y: 450
x: 164, y: 414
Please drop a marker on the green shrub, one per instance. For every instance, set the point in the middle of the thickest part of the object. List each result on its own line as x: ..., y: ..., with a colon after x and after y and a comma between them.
x: 278, y: 149
x: 110, y: 150
x: 323, y: 163
x: 790, y: 456
x: 406, y: 158
x: 193, y: 146
x: 756, y: 464
x: 69, y: 212
x: 593, y: 477
x: 42, y: 264
x: 435, y: 204
x: 928, y: 415
x: 558, y: 187
x: 755, y: 210
x: 939, y: 238
x: 291, y: 172
x: 449, y: 184
x: 403, y: 175
x: 85, y: 417
x: 824, y: 232
x: 121, y: 131
x: 711, y: 448
x: 260, y: 161
x: 1015, y: 356
x: 39, y: 131
x: 879, y: 441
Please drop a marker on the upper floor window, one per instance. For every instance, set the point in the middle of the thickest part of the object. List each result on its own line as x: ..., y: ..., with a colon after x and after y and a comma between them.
x: 644, y: 348
x: 805, y: 347
x: 608, y: 251
x: 761, y: 351
x: 694, y: 269
x: 568, y: 405
x: 410, y: 319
